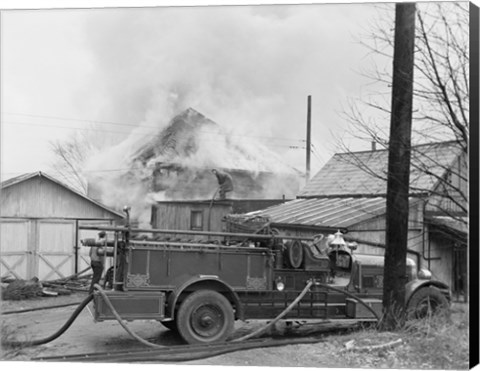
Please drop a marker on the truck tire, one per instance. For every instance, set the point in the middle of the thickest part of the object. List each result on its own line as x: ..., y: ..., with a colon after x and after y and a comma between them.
x: 205, y: 316
x: 426, y: 301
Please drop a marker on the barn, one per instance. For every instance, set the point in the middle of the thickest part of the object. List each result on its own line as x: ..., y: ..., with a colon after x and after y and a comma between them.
x: 349, y: 194
x: 40, y: 219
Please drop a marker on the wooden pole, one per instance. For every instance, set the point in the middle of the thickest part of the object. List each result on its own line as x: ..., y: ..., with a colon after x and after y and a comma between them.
x: 398, y: 178
x: 309, y: 132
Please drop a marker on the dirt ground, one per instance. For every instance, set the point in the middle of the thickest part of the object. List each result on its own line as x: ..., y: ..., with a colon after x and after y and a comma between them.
x: 86, y: 336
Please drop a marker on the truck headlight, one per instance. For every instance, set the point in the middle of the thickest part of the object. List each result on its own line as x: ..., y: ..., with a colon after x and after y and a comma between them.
x: 279, y: 284
x: 424, y: 274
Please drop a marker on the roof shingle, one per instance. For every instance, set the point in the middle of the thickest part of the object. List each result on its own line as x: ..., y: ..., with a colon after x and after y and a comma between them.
x: 365, y: 173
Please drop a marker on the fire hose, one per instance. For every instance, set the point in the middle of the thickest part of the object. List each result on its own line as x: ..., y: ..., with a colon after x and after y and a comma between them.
x: 280, y: 316
x: 52, y: 337
x: 350, y: 295
x: 147, y: 343
x: 246, y: 337
x: 120, y: 320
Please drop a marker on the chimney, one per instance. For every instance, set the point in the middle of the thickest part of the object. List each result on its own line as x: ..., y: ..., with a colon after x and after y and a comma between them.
x: 374, y: 145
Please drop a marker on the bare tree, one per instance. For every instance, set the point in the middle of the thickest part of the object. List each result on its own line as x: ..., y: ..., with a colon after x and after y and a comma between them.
x: 70, y: 156
x: 441, y: 98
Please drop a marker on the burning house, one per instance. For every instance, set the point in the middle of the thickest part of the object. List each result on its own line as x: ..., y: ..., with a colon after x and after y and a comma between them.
x: 174, y: 167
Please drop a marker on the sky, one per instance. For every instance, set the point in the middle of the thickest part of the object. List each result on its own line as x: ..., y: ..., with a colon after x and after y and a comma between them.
x: 124, y: 70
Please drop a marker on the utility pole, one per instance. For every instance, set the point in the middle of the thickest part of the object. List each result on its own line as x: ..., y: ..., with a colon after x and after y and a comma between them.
x: 399, y: 167
x: 309, y: 132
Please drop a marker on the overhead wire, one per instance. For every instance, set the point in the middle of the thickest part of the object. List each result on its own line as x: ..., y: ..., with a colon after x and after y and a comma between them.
x: 125, y: 124
x: 145, y: 133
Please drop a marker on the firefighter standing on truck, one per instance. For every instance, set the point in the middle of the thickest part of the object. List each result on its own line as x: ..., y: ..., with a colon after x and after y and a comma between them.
x: 225, y: 183
x: 97, y: 259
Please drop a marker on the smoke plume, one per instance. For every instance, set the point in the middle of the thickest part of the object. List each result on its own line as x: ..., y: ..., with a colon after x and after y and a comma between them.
x: 247, y: 68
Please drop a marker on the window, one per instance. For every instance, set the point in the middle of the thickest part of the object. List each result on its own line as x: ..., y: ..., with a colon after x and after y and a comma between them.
x: 196, y: 220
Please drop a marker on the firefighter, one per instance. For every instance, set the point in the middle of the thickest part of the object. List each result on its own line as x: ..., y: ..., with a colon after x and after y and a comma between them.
x: 225, y: 183
x: 97, y: 259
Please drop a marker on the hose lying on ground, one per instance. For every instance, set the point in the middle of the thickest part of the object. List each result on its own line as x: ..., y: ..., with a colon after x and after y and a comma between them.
x: 15, y: 343
x: 279, y: 317
x: 249, y: 336
x: 145, y: 342
x: 351, y: 295
x: 39, y: 308
x: 120, y: 320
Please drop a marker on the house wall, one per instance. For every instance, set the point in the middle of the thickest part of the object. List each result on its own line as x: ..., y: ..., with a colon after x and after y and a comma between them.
x: 440, y: 251
x: 177, y: 215
x: 457, y: 191
x: 374, y: 231
x: 171, y: 215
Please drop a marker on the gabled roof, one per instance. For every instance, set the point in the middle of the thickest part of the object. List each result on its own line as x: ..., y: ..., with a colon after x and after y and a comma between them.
x: 24, y: 177
x: 192, y: 140
x: 177, y: 139
x: 334, y: 213
x: 365, y: 173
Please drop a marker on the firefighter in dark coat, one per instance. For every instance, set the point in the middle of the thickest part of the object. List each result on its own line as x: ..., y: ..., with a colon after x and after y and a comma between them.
x: 97, y: 259
x: 225, y: 182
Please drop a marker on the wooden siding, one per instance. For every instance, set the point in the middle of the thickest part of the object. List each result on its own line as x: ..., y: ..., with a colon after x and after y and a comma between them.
x: 15, y: 251
x: 441, y: 263
x: 178, y: 216
x: 55, y: 253
x: 457, y: 178
x: 39, y: 197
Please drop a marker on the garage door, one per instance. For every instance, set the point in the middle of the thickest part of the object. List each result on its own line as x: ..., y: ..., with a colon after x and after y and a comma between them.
x: 56, y: 253
x: 16, y: 259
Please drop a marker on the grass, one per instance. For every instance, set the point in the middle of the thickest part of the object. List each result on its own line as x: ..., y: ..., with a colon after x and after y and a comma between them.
x: 438, y: 342
x: 7, y: 334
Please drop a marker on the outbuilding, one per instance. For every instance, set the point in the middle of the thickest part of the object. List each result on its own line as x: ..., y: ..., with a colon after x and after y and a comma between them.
x: 349, y: 194
x: 40, y: 219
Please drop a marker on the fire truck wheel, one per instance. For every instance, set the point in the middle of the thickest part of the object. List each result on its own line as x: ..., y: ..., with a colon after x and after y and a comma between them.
x: 426, y: 301
x: 205, y: 316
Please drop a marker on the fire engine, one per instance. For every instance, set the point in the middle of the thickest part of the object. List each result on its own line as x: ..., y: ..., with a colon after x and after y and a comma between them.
x: 199, y: 283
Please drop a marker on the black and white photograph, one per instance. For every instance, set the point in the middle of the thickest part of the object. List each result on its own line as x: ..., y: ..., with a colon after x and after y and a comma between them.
x: 284, y: 184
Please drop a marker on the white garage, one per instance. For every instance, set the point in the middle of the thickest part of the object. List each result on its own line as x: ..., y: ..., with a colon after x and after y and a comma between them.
x: 39, y: 220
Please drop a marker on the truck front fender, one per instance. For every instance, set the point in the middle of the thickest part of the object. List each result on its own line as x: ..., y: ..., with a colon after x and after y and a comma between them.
x: 415, y: 285
x: 202, y: 282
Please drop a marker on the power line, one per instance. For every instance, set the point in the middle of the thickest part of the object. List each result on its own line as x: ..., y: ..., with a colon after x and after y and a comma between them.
x: 315, y: 154
x: 146, y: 133
x: 320, y: 155
x: 125, y: 124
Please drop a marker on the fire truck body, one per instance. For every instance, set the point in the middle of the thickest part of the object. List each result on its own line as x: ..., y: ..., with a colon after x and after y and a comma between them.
x: 199, y: 289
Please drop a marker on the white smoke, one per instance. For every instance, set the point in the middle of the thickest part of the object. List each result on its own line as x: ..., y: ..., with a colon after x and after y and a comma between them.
x: 247, y: 68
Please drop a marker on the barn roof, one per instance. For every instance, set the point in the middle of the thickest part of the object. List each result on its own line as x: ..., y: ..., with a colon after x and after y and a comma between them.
x: 365, y: 173
x: 24, y: 177
x: 325, y: 212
